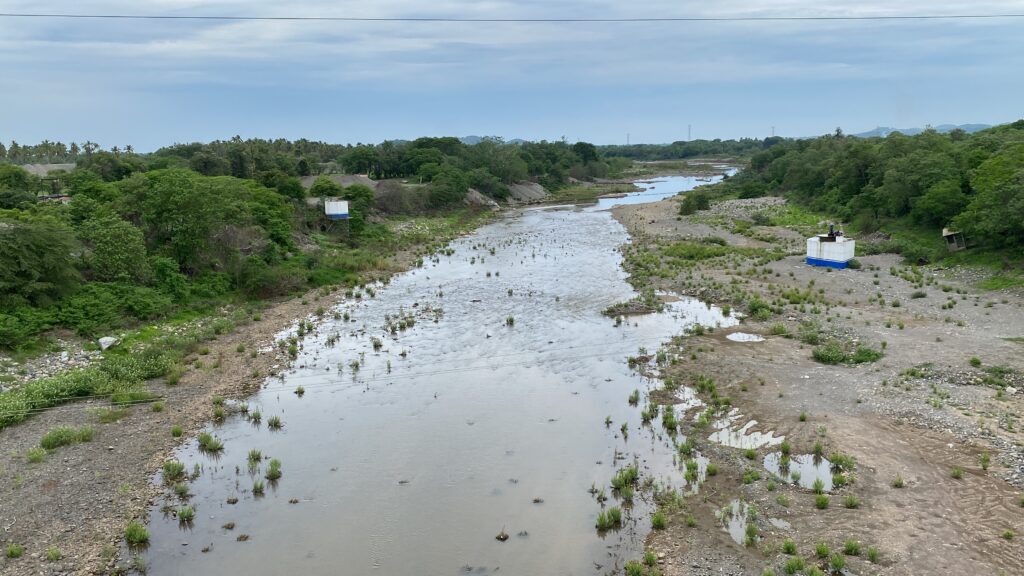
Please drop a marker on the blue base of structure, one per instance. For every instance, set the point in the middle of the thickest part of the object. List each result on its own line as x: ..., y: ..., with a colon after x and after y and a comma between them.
x: 827, y: 263
x: 337, y: 216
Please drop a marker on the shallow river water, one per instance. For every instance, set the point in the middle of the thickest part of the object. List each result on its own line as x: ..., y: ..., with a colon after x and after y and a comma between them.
x: 485, y: 413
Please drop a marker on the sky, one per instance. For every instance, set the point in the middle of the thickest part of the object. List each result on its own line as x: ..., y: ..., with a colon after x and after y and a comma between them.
x: 154, y: 83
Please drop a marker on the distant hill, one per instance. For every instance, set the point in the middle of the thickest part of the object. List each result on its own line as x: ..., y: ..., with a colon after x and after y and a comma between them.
x: 883, y: 131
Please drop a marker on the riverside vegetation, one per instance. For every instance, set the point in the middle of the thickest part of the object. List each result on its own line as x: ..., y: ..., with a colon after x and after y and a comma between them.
x: 179, y: 234
x: 896, y: 379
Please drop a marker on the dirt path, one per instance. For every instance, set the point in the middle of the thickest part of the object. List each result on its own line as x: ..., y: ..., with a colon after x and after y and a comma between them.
x: 917, y: 413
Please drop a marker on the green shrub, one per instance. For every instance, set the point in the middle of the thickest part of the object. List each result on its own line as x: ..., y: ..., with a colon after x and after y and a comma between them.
x: 173, y: 470
x: 20, y: 325
x: 64, y: 436
x: 634, y: 568
x: 658, y: 521
x: 15, y: 551
x: 831, y: 353
x: 35, y: 455
x: 136, y: 534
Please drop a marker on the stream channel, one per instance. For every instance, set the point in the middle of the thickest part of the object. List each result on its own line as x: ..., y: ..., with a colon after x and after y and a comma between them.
x: 483, y: 410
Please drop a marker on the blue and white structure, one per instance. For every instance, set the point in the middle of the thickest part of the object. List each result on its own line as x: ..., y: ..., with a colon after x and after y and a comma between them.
x: 832, y: 250
x: 336, y: 208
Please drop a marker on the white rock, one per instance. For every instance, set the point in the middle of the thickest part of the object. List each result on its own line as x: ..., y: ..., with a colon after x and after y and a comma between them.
x: 107, y: 342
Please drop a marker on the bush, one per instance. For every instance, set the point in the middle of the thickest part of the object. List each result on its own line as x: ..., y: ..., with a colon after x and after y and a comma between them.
x: 118, y: 251
x: 831, y: 353
x: 19, y: 326
x: 759, y: 309
x: 658, y: 521
x: 14, y: 551
x: 136, y: 534
x: 64, y: 436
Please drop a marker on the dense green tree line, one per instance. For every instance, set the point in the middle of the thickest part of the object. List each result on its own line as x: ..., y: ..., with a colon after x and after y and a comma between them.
x: 152, y: 242
x: 971, y: 182
x: 488, y: 166
x: 689, y: 149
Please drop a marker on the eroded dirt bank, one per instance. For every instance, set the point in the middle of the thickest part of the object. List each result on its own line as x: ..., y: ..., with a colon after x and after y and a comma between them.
x: 922, y: 422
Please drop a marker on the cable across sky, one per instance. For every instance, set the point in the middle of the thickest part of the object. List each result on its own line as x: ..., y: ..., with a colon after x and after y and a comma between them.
x: 444, y: 19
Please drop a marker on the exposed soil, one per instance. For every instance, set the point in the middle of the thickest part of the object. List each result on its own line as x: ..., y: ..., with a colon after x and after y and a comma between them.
x: 915, y: 425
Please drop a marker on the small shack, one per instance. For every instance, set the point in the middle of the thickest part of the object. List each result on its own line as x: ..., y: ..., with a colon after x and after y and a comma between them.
x: 955, y: 240
x: 833, y: 250
x: 336, y: 208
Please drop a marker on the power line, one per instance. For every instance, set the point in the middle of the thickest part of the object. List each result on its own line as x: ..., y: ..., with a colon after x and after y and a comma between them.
x: 653, y: 19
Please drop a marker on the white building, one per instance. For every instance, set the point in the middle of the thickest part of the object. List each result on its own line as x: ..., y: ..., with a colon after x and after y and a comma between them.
x: 832, y: 250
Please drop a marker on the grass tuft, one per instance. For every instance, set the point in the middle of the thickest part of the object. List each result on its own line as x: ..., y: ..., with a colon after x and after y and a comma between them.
x: 209, y: 443
x: 136, y: 534
x: 35, y: 455
x: 173, y: 471
x: 658, y: 521
x: 65, y: 436
x: 274, y: 470
x: 14, y: 551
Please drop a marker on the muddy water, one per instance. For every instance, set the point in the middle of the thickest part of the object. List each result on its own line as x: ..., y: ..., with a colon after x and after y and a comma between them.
x: 482, y: 410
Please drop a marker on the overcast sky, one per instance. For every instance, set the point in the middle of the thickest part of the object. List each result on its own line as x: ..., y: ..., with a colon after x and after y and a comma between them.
x: 151, y: 83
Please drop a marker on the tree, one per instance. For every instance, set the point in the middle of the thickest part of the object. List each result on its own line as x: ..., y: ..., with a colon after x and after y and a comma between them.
x: 16, y: 199
x: 586, y: 151
x: 179, y: 214
x: 448, y: 187
x: 209, y: 164
x: 118, y: 251
x: 325, y: 187
x: 996, y: 214
x: 360, y: 160
x: 360, y: 199
x: 940, y: 203
x: 14, y: 178
x: 37, y: 261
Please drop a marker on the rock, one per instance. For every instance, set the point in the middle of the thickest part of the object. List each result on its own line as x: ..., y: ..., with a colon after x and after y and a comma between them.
x: 107, y: 342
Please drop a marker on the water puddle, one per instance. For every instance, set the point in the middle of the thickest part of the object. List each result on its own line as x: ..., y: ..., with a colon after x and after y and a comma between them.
x: 688, y: 400
x: 801, y: 469
x: 742, y: 437
x: 744, y: 337
x: 737, y: 519
x: 465, y: 399
x: 695, y: 472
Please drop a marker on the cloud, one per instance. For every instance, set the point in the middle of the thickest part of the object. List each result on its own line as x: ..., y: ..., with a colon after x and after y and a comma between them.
x: 142, y: 64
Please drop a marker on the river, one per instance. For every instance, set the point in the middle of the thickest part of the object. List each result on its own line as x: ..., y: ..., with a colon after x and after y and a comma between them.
x: 482, y: 410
